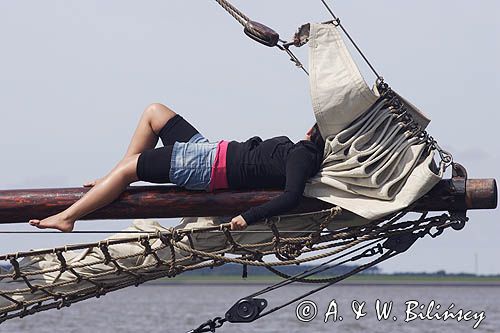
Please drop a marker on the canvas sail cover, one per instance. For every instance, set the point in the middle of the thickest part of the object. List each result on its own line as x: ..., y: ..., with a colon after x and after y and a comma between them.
x: 372, y: 164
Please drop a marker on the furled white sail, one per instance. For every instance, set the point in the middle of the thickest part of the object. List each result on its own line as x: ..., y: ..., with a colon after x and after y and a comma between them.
x: 374, y: 165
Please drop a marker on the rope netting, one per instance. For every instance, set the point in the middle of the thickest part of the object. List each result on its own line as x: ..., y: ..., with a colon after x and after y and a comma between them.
x: 40, y: 280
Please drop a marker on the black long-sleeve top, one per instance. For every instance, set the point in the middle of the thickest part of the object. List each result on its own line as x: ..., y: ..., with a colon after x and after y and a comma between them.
x: 273, y: 163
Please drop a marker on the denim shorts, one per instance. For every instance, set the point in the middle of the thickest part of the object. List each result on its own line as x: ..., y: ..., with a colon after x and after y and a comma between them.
x: 191, y: 163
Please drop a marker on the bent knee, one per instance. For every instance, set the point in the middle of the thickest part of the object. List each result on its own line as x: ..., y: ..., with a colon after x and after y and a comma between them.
x: 158, y: 115
x: 158, y: 110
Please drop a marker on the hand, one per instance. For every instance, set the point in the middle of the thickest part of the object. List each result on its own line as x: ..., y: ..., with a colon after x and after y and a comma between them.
x: 238, y: 223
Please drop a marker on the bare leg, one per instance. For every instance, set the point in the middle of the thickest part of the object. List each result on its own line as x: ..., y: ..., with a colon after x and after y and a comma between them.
x: 107, y: 189
x: 154, y: 117
x: 102, y: 194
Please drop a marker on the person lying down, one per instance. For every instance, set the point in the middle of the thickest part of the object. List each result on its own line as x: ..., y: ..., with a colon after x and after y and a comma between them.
x: 190, y: 160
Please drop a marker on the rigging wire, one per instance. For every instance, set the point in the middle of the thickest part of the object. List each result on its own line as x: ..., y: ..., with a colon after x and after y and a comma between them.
x: 382, y: 258
x: 212, y: 229
x: 9, y: 232
x: 236, y: 14
x: 285, y: 46
x: 338, y: 23
x: 314, y: 270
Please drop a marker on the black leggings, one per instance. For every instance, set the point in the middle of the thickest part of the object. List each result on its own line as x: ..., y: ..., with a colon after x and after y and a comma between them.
x: 154, y: 165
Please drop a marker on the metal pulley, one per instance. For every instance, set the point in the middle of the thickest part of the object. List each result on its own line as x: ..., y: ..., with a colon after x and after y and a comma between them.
x: 261, y: 33
x: 246, y: 310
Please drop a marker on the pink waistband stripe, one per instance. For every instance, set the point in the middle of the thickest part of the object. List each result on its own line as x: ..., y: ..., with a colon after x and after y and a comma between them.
x: 218, y: 177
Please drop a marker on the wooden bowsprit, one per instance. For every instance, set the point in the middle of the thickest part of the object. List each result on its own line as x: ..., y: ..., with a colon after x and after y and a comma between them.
x: 157, y: 254
x: 17, y: 206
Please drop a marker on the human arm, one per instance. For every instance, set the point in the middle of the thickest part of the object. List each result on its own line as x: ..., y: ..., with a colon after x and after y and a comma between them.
x: 299, y: 166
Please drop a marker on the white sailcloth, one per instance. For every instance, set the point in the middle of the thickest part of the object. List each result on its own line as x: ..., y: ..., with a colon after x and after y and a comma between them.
x: 374, y: 165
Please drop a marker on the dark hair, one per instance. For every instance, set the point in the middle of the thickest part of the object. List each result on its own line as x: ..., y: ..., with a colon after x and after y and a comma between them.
x: 317, y: 139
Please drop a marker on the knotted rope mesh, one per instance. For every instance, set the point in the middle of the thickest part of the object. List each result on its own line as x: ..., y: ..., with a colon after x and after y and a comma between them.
x: 55, y: 278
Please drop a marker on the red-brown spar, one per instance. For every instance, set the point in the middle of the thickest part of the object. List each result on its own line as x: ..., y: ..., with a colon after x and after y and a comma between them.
x: 170, y: 201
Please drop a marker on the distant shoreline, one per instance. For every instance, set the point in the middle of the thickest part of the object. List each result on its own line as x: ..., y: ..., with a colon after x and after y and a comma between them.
x: 360, y: 280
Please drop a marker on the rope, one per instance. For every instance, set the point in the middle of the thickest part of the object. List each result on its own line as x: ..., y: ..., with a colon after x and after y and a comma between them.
x: 338, y: 279
x: 244, y: 20
x: 73, y: 283
x: 234, y: 12
x: 393, y: 247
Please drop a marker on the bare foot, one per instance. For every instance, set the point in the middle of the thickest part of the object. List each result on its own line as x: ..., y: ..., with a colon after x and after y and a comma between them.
x: 91, y: 183
x: 54, y: 222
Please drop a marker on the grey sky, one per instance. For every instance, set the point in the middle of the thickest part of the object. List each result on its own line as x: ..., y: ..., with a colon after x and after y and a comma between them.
x: 76, y: 75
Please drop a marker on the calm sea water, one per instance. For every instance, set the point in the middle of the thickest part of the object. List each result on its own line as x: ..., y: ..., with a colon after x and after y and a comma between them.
x: 179, y: 308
